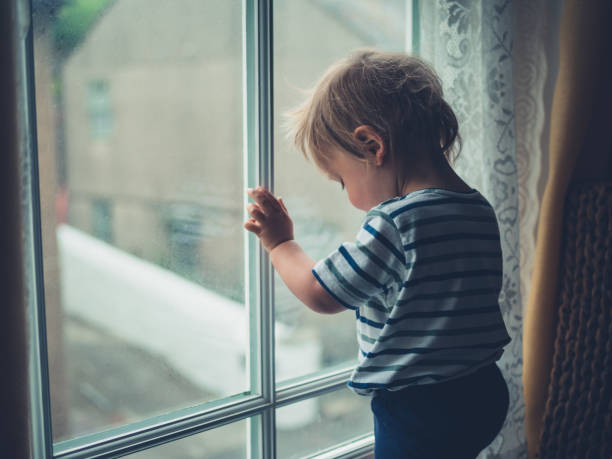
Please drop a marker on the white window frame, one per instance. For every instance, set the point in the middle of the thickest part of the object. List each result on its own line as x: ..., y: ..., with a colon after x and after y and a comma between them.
x: 265, y: 396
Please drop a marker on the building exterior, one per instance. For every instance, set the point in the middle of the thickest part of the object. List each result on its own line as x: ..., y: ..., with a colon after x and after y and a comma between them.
x: 153, y: 130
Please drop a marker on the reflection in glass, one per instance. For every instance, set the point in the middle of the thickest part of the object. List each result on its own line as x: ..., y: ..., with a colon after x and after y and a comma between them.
x: 139, y: 120
x: 313, y: 425
x: 226, y: 442
x: 310, y: 36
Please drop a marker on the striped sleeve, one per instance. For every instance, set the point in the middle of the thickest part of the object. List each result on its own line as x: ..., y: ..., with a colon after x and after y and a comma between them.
x: 360, y: 270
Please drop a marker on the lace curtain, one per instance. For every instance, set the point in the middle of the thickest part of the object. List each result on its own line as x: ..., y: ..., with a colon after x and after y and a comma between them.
x: 470, y: 43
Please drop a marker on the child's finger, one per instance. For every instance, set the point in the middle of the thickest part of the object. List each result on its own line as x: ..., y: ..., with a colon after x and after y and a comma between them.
x: 282, y: 204
x: 255, y: 211
x: 266, y: 200
x: 252, y: 226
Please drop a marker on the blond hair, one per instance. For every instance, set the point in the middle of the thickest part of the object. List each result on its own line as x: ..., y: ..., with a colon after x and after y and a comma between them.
x: 398, y: 95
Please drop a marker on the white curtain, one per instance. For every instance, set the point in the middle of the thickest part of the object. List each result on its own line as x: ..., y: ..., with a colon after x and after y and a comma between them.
x: 470, y: 43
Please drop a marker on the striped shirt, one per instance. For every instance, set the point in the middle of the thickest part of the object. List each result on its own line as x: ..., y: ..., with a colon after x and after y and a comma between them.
x: 423, y: 277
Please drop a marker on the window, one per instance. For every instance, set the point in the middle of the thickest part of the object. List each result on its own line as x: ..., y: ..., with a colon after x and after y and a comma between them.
x: 100, y: 115
x: 167, y: 332
x: 102, y: 220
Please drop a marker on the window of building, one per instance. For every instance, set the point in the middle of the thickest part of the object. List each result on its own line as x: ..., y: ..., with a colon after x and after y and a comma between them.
x: 175, y: 338
x: 102, y: 219
x: 99, y: 110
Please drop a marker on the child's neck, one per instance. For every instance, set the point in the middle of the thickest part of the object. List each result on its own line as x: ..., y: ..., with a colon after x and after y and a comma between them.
x: 442, y: 176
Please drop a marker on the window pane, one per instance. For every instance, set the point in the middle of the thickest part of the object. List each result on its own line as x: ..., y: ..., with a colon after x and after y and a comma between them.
x: 319, y: 423
x: 310, y: 36
x: 227, y: 442
x: 139, y: 106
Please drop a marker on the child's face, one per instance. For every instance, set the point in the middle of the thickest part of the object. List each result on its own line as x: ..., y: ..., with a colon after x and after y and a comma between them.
x: 366, y: 184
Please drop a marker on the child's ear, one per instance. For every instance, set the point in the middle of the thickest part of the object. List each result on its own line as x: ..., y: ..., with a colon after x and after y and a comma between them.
x: 373, y: 143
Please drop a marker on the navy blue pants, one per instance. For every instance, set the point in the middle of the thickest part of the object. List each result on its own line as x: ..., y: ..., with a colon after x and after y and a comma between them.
x: 453, y: 419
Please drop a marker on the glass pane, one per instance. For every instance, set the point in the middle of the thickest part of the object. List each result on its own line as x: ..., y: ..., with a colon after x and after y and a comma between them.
x: 319, y: 423
x: 226, y: 442
x: 139, y: 108
x: 310, y: 36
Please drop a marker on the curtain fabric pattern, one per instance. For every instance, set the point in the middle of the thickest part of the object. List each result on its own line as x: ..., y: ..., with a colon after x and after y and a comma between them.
x: 469, y: 42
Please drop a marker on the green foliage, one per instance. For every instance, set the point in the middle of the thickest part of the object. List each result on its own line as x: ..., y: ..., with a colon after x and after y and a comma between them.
x: 74, y: 21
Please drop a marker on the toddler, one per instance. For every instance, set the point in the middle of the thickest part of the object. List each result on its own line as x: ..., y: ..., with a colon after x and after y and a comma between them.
x: 425, y: 271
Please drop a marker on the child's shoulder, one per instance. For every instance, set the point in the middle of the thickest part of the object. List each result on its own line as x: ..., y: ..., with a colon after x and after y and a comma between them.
x: 429, y: 201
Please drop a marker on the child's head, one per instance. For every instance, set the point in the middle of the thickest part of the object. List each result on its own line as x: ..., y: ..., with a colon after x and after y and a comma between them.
x: 397, y: 95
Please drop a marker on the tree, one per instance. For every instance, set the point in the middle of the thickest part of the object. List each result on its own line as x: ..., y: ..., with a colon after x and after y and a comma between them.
x: 74, y: 20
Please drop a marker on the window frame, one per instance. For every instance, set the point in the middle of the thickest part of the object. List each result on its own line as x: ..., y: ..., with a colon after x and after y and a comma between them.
x: 258, y: 406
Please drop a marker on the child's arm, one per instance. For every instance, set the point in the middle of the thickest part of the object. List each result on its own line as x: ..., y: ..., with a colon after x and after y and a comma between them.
x: 270, y: 221
x: 295, y: 268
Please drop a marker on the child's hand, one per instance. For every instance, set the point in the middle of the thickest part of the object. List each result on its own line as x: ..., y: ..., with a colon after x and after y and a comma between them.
x: 269, y: 220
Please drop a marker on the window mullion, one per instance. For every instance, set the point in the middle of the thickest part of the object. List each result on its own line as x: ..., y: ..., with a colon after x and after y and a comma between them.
x: 413, y: 26
x: 313, y: 386
x: 251, y: 273
x: 257, y: 49
x: 41, y: 441
x: 159, y: 430
x: 266, y: 178
x: 357, y: 448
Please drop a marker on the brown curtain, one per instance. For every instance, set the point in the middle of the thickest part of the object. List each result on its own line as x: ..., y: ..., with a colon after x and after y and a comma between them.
x: 13, y: 353
x: 580, y: 150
